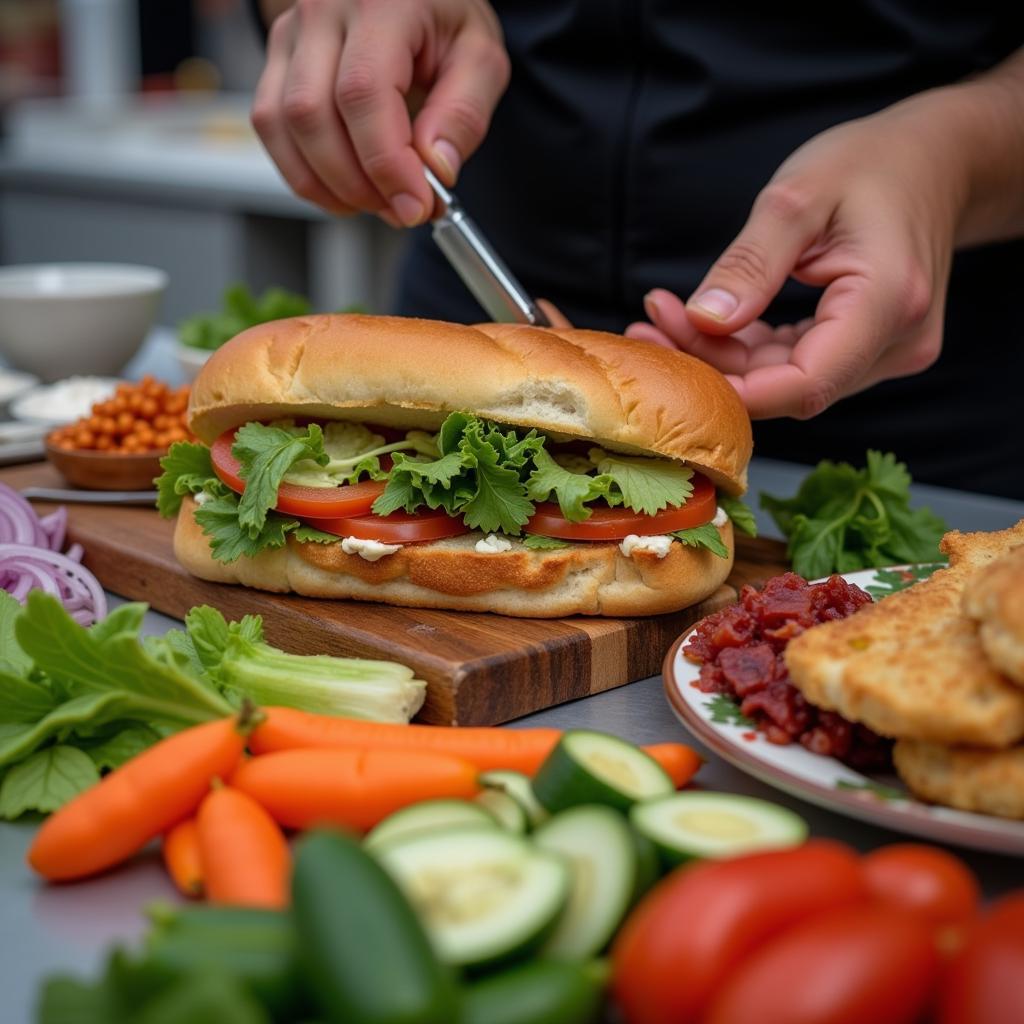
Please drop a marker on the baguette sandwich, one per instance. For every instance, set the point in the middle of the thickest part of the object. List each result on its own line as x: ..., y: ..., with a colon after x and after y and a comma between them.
x: 501, y: 468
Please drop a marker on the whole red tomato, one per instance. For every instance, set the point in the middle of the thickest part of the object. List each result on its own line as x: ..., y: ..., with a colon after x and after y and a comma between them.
x: 695, y: 926
x: 848, y: 966
x: 985, y: 982
x: 925, y: 880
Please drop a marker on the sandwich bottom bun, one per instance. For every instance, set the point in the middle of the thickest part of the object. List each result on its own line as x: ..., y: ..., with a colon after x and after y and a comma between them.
x: 583, y: 579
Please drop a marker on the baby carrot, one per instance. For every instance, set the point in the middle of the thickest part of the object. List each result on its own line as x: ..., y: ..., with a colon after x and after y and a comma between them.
x: 245, y: 857
x: 180, y: 850
x: 135, y: 803
x: 487, y: 748
x: 352, y: 788
x: 679, y: 761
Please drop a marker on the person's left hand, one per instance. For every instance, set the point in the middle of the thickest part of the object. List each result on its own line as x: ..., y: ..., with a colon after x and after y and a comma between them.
x: 868, y: 211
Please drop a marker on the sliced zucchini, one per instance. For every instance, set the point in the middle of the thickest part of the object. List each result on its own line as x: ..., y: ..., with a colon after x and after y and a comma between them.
x: 506, y: 810
x: 594, y: 768
x: 425, y: 817
x: 598, y: 844
x: 519, y: 787
x: 483, y: 894
x: 687, y: 825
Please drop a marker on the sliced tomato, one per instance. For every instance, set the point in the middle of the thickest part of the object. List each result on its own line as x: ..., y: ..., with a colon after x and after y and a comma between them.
x: 616, y: 523
x: 397, y: 528
x: 295, y: 500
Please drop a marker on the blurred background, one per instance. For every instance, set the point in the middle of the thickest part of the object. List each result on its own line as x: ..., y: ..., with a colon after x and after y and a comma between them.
x: 124, y: 137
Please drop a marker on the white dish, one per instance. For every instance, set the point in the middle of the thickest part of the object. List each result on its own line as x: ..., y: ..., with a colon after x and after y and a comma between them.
x: 715, y: 719
x: 53, y: 405
x: 14, y: 383
x: 191, y: 359
x: 61, y: 319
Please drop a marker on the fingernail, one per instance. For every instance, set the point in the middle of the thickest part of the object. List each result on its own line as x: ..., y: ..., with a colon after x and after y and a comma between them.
x: 651, y: 307
x: 448, y: 157
x: 408, y: 209
x: 716, y: 303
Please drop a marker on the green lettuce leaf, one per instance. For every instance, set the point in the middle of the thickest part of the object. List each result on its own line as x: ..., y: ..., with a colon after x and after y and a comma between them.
x: 741, y: 514
x: 705, y: 536
x: 571, y: 489
x: 46, y: 781
x: 186, y: 470
x: 265, y: 454
x: 535, y: 542
x: 646, y: 485
x: 123, y: 745
x: 219, y: 519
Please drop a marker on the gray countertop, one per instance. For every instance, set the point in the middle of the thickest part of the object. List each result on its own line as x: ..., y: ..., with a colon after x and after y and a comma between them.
x: 43, y: 928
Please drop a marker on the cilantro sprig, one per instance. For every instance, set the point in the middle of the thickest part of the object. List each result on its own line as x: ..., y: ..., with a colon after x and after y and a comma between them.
x: 842, y: 518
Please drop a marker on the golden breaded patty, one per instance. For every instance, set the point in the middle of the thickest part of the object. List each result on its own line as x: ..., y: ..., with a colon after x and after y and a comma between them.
x: 994, y: 596
x: 912, y: 666
x: 987, y: 781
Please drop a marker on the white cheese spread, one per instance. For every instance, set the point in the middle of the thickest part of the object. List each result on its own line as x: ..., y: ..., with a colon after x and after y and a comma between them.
x: 658, y: 544
x: 720, y: 518
x: 492, y: 544
x: 201, y: 498
x: 371, y: 550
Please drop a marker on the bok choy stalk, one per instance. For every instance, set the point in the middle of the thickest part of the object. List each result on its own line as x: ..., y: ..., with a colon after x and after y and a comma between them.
x: 236, y: 658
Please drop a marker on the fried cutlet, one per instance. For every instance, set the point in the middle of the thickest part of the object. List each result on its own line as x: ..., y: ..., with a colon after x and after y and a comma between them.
x: 995, y: 598
x: 912, y: 665
x: 986, y: 781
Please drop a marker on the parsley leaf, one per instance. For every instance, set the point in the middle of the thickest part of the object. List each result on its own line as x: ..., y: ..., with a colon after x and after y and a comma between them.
x: 46, y: 780
x: 646, y: 485
x: 536, y: 542
x: 843, y: 518
x: 186, y: 470
x: 220, y: 520
x: 741, y: 514
x: 265, y: 454
x: 705, y: 536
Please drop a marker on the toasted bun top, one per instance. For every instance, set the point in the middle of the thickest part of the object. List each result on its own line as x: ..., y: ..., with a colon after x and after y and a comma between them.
x: 631, y: 396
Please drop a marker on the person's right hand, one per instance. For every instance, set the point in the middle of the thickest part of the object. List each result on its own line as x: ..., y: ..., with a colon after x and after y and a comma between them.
x: 333, y: 104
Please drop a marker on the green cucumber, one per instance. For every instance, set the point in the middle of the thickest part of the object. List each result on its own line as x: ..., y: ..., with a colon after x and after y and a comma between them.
x: 599, y: 846
x: 538, y: 992
x: 365, y: 954
x: 648, y: 860
x: 426, y: 816
x: 519, y: 787
x: 507, y: 811
x: 688, y: 825
x: 483, y: 894
x: 594, y: 768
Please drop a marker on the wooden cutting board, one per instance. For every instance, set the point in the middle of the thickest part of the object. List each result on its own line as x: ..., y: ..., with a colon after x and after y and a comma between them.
x: 480, y: 669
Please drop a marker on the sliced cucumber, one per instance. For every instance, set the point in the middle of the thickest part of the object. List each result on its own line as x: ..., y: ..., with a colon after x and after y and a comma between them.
x: 599, y: 846
x: 687, y: 825
x: 649, y: 864
x: 483, y: 894
x: 506, y: 809
x: 595, y: 768
x: 519, y: 787
x: 426, y: 817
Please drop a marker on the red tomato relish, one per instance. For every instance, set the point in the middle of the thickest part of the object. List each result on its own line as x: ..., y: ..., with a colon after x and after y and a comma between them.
x: 739, y: 650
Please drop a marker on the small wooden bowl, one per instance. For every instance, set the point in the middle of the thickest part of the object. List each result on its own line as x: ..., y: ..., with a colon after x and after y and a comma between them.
x: 106, y: 471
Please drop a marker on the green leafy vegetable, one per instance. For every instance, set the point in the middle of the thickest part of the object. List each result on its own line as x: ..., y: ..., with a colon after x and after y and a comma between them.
x: 241, y: 309
x: 645, y: 485
x: 265, y: 454
x: 740, y: 513
x: 12, y: 658
x: 571, y: 489
x: 237, y: 660
x: 186, y: 470
x: 842, y: 519
x: 46, y: 781
x: 122, y: 746
x: 705, y: 536
x: 229, y: 540
x: 538, y: 543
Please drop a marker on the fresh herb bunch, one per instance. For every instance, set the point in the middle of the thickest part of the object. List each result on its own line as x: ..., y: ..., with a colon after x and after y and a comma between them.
x: 842, y: 519
x: 241, y: 309
x: 77, y: 701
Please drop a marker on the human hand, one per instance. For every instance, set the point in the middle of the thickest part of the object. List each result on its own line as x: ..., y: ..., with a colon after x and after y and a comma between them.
x: 868, y: 211
x: 333, y: 103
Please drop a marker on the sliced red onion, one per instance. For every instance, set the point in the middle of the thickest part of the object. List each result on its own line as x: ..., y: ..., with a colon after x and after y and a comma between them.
x: 30, y: 559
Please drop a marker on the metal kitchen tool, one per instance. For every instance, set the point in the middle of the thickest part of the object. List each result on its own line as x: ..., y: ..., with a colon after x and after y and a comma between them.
x: 482, y: 270
x: 90, y: 497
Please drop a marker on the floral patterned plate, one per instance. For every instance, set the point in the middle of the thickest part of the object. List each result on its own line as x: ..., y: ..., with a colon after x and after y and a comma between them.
x: 716, y: 721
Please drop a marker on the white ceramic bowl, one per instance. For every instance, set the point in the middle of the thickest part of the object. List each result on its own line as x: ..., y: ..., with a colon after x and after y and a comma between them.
x: 190, y: 359
x: 61, y: 319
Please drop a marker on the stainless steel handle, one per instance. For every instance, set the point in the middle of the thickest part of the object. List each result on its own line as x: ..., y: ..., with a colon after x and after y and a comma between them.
x: 482, y: 270
x: 90, y: 497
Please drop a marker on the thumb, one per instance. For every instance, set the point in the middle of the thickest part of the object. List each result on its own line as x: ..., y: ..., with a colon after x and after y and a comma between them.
x: 749, y: 274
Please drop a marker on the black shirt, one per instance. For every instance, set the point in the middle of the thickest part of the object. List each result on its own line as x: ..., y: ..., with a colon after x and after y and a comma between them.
x: 629, y: 149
